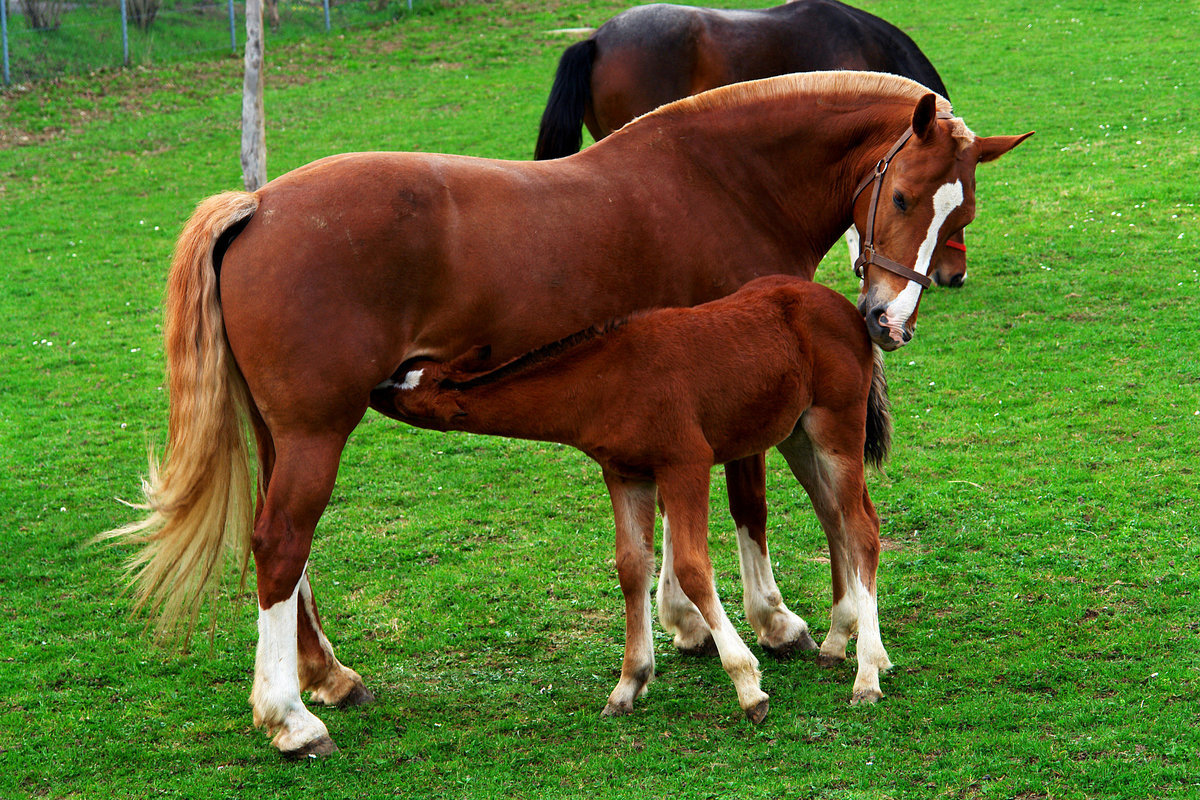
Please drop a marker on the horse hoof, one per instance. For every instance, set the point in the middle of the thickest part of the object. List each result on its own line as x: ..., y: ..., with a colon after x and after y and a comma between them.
x: 866, y: 696
x: 359, y: 695
x: 758, y: 713
x: 616, y: 709
x: 803, y: 644
x: 317, y: 748
x: 708, y: 647
x: 829, y: 662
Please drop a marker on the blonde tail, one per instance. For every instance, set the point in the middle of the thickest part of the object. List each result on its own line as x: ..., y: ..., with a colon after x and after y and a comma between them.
x: 201, y: 499
x: 879, y: 415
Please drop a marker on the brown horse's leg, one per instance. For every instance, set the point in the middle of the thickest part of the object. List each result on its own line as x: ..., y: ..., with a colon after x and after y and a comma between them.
x: 684, y: 492
x: 825, y: 456
x: 677, y: 614
x: 301, y: 482
x: 633, y: 512
x: 780, y: 632
x: 331, y: 682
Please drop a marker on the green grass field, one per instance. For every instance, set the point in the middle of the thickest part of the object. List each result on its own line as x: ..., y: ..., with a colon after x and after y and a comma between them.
x: 1039, y: 589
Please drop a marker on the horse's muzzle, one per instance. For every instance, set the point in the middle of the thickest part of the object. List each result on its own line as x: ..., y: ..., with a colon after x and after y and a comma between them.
x: 884, y: 333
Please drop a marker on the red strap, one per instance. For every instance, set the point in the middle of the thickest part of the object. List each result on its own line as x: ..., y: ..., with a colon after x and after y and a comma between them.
x: 956, y: 245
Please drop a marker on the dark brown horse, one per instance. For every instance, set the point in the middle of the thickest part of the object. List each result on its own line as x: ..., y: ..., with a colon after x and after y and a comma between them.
x: 660, y: 398
x: 650, y: 55
x: 293, y: 306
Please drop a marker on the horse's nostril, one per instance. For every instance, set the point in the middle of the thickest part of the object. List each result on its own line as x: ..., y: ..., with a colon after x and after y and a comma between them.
x: 957, y: 281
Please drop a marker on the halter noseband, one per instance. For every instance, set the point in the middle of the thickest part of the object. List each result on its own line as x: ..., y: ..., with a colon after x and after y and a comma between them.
x: 868, y: 255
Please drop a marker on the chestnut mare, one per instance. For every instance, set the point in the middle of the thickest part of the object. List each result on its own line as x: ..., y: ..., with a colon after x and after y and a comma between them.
x: 657, y: 400
x: 290, y: 306
x: 650, y: 55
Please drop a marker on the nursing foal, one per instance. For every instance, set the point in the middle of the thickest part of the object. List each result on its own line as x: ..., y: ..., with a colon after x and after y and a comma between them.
x: 660, y: 397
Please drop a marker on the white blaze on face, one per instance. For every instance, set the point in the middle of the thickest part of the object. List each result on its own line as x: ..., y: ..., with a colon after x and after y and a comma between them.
x: 412, y: 380
x: 945, y: 200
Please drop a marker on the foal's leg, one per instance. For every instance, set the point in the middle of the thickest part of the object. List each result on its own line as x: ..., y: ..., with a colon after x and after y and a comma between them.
x: 330, y: 682
x: 678, y: 614
x: 825, y: 454
x: 685, y: 497
x: 854, y: 243
x: 300, y: 485
x: 780, y: 632
x: 633, y: 512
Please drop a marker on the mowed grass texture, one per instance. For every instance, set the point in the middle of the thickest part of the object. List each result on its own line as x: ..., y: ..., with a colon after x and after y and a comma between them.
x: 1038, y: 589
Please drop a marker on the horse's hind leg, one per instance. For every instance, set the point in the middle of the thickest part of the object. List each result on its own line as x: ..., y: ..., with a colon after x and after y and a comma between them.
x: 684, y: 493
x: 330, y: 682
x: 301, y: 482
x: 826, y: 457
x: 780, y: 632
x: 633, y: 512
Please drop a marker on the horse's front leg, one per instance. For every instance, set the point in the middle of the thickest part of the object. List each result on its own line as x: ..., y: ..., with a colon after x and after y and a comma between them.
x: 684, y: 492
x: 780, y: 632
x: 825, y: 456
x: 679, y: 615
x: 633, y: 513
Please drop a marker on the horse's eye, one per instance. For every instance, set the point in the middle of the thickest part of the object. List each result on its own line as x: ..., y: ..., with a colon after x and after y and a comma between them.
x: 898, y: 199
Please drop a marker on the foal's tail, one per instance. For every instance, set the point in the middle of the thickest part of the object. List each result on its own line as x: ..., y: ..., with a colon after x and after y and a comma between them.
x: 561, y: 131
x: 200, y: 500
x: 879, y: 415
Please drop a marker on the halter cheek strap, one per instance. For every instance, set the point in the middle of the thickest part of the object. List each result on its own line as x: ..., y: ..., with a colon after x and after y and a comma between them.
x: 869, y: 255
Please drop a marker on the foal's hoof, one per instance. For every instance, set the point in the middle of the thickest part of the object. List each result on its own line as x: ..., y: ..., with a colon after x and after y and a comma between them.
x: 829, y: 662
x: 758, y: 713
x: 357, y: 696
x: 803, y: 644
x: 706, y: 647
x: 317, y: 748
x: 866, y: 696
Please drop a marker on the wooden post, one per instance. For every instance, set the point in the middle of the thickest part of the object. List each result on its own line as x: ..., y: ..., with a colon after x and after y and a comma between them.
x: 254, y: 137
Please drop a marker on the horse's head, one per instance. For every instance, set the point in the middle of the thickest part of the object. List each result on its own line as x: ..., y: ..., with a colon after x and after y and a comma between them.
x: 919, y: 194
x: 418, y: 398
x: 949, y: 266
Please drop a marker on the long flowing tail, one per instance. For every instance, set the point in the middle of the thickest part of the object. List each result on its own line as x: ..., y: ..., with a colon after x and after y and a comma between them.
x: 200, y: 500
x: 561, y: 131
x: 879, y: 416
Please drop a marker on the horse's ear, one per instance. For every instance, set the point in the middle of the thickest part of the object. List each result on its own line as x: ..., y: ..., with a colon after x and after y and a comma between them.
x: 992, y: 147
x: 925, y: 115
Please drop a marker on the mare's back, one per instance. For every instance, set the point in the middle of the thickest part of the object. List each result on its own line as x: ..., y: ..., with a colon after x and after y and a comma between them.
x: 653, y: 54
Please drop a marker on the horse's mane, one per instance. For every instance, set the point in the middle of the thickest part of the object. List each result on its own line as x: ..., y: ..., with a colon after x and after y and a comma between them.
x: 534, y: 357
x: 848, y: 82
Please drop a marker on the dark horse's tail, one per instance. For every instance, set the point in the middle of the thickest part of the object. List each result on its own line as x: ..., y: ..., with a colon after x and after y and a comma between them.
x: 561, y: 132
x: 879, y: 416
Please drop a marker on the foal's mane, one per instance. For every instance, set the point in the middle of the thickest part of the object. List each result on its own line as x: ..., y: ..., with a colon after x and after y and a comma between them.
x: 536, y: 356
x: 850, y: 83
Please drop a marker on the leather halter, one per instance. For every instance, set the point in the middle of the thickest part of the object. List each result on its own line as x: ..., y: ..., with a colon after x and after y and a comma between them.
x: 869, y: 255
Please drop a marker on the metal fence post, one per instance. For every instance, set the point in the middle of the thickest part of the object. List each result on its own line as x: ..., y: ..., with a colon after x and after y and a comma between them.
x: 125, y: 31
x: 327, y: 26
x: 232, y: 30
x: 4, y: 36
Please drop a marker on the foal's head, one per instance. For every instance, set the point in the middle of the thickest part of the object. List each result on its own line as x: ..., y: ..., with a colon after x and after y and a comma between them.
x: 915, y: 202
